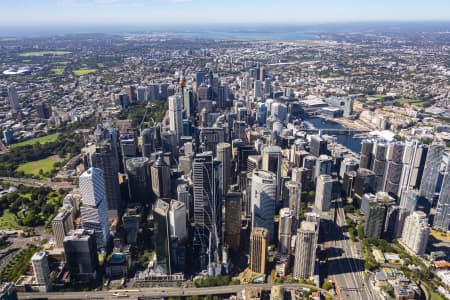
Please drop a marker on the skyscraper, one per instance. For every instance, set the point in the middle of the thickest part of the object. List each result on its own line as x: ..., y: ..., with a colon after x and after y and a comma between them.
x: 324, y: 190
x: 379, y: 164
x: 62, y: 224
x: 44, y: 111
x: 365, y: 182
x: 128, y: 146
x: 305, y: 250
x: 178, y: 222
x: 293, y: 193
x: 318, y: 146
x: 416, y: 232
x: 148, y: 145
x: 13, y: 100
x: 131, y: 220
x: 271, y: 161
x: 348, y: 106
x: 375, y: 219
x: 207, y: 203
x: 188, y: 102
x: 80, y: 250
x: 347, y: 165
x: 414, y: 157
x: 224, y: 156
x: 258, y: 91
x: 365, y: 160
x: 428, y: 186
x: 395, y: 168
x: 175, y: 115
x: 324, y: 165
x: 139, y: 183
x: 94, y: 208
x: 285, y: 230
x: 142, y: 93
x: 162, y: 236
x: 210, y: 137
x: 233, y: 219
x: 41, y: 270
x: 153, y: 92
x: 258, y: 250
x: 160, y: 177
x: 442, y: 217
x: 263, y: 197
x: 104, y: 158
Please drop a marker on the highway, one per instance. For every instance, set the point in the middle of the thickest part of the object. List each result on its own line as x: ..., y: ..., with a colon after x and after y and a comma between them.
x: 345, y: 261
x: 159, y: 292
x: 35, y: 182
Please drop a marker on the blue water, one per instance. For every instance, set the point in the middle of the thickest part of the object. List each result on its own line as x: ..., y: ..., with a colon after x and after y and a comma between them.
x: 200, y: 32
x: 247, y: 35
x: 346, y: 140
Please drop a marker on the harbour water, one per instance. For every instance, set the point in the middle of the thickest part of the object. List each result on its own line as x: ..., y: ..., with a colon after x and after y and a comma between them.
x: 349, y: 141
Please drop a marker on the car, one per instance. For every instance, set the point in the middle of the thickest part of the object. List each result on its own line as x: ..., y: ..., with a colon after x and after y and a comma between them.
x: 120, y: 295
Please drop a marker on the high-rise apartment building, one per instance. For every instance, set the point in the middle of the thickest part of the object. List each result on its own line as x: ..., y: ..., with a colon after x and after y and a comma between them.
x: 416, y: 232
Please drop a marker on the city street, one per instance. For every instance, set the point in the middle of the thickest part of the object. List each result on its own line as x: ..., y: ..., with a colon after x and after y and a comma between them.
x: 344, y: 260
x: 160, y: 292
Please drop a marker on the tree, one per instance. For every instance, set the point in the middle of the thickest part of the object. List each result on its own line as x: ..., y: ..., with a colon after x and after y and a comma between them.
x: 326, y: 285
x: 360, y: 230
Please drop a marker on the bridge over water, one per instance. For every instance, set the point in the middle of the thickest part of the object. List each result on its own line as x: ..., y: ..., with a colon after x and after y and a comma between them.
x: 336, y: 131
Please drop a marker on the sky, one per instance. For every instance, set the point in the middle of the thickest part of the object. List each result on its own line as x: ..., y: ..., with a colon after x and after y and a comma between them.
x: 22, y: 13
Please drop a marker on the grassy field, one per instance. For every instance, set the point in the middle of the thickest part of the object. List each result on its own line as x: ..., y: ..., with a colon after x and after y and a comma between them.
x: 81, y: 72
x: 436, y: 296
x: 8, y: 221
x: 58, y: 71
x: 45, y: 165
x: 43, y: 140
x: 402, y: 101
x: 42, y: 53
x: 440, y: 236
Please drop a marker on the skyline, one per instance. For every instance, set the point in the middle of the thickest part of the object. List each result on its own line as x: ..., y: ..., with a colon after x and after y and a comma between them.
x: 85, y: 13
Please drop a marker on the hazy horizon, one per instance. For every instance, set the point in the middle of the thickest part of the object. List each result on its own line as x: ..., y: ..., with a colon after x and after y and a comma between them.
x: 229, y: 28
x: 28, y: 13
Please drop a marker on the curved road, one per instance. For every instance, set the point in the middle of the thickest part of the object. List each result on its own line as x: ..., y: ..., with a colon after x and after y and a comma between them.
x: 163, y: 292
